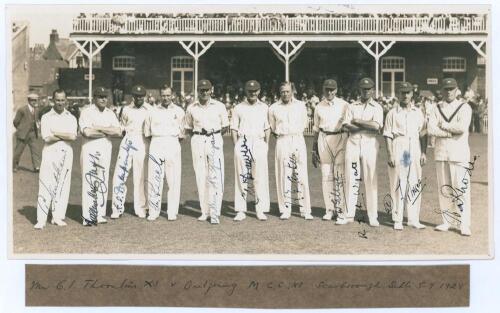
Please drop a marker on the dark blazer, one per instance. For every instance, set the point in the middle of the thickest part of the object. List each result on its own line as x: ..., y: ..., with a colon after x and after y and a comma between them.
x: 24, y: 121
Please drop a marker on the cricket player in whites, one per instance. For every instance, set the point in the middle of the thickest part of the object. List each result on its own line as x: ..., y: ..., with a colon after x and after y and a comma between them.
x: 58, y: 128
x: 404, y: 133
x: 329, y: 148
x: 132, y: 153
x: 165, y: 127
x: 288, y: 119
x: 449, y: 122
x: 207, y: 119
x: 97, y: 125
x: 363, y: 120
x: 250, y: 131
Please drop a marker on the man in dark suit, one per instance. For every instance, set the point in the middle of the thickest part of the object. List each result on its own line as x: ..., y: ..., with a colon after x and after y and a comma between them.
x: 25, y: 122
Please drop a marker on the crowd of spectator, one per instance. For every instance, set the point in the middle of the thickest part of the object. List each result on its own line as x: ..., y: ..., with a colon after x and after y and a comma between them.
x: 426, y: 23
x: 272, y: 15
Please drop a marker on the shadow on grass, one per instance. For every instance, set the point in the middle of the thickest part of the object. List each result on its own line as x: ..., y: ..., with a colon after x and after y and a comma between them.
x: 22, y: 168
x: 192, y: 208
x: 29, y: 212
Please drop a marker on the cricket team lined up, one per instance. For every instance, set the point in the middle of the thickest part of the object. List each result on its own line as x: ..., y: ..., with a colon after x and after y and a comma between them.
x: 345, y: 148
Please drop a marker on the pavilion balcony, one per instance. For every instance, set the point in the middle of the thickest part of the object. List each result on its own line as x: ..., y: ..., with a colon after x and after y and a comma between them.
x: 158, y: 24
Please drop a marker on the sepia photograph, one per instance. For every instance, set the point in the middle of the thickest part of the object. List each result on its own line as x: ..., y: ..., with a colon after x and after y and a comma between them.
x: 260, y: 132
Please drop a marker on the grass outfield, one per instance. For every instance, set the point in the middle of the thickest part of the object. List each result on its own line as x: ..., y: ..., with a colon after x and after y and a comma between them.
x: 133, y: 235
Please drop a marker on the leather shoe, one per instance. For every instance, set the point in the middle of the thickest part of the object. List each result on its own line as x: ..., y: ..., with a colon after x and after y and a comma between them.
x: 417, y: 225
x: 172, y: 217
x: 465, y: 231
x: 344, y: 221
x: 285, y: 216
x: 203, y: 217
x: 261, y: 216
x: 328, y: 216
x: 151, y: 218
x: 240, y: 216
x: 308, y: 216
x: 58, y: 222
x: 398, y: 226
x: 442, y: 227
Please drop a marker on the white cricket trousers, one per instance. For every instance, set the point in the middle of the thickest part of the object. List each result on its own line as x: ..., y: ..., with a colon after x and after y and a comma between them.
x: 291, y: 167
x: 54, y: 181
x: 164, y: 163
x: 95, y: 160
x: 406, y: 179
x: 331, y: 150
x: 251, y: 173
x: 132, y: 153
x: 208, y: 163
x: 361, y: 165
x: 454, y: 181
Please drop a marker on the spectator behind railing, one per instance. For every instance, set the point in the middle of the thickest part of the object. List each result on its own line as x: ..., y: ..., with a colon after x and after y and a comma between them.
x: 238, y: 22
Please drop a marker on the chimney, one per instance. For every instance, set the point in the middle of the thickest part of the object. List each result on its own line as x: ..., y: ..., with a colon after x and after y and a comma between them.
x: 52, y: 53
x: 54, y: 36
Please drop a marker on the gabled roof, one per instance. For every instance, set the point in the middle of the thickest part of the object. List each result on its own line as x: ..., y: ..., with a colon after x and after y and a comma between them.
x: 66, y: 48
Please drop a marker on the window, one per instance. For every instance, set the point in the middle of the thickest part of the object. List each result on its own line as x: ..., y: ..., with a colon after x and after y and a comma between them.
x: 393, y: 63
x: 124, y: 63
x: 392, y: 74
x: 182, y: 62
x: 182, y: 74
x: 454, y: 64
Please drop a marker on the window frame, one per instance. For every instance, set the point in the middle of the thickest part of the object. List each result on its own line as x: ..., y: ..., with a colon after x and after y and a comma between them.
x: 124, y: 67
x: 457, y: 61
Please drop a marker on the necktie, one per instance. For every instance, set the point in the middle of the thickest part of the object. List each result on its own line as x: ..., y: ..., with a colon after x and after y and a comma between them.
x: 35, y: 126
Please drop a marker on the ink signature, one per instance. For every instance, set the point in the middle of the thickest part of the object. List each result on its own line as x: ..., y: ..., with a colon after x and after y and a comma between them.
x: 215, y: 177
x: 119, y: 191
x: 363, y: 234
x: 452, y: 218
x: 293, y: 178
x: 337, y: 192
x: 456, y: 193
x: 247, y: 178
x: 412, y: 193
x: 388, y: 204
x: 154, y: 192
x: 46, y: 204
x: 338, y: 176
x: 98, y: 187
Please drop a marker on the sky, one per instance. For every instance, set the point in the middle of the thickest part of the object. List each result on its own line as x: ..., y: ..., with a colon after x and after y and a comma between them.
x: 55, y: 17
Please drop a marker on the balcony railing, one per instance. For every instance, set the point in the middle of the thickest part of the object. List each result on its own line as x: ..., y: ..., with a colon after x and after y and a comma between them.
x: 439, y: 24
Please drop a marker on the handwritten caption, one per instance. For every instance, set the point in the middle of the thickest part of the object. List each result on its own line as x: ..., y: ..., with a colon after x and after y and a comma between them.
x: 207, y: 287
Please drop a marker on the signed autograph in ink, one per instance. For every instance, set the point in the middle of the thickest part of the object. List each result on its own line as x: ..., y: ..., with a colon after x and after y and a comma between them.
x: 293, y: 178
x: 247, y: 177
x: 123, y: 169
x: 215, y: 176
x: 456, y: 192
x: 59, y: 177
x: 412, y: 192
x: 96, y: 179
x: 155, y: 183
